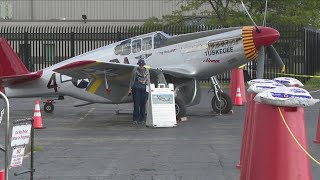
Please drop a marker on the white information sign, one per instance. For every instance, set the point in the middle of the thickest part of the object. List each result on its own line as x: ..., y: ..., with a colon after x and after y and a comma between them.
x: 17, y: 156
x: 161, y: 107
x: 20, y: 135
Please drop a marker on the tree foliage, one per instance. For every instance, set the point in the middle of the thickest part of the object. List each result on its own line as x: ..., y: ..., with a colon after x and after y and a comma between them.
x: 231, y: 13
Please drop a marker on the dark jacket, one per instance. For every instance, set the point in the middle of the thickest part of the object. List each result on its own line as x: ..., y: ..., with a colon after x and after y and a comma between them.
x: 138, y: 79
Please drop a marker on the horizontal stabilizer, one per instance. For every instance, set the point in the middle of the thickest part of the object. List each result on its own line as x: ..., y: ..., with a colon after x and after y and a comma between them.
x: 17, y: 79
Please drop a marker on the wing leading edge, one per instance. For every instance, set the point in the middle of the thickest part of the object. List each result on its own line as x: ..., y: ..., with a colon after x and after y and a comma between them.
x: 108, y: 80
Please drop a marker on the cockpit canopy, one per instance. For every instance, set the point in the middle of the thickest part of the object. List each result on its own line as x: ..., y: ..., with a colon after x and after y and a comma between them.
x: 141, y: 43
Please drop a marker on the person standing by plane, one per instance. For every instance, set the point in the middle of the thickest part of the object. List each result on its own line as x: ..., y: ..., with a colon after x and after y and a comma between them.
x: 139, y: 87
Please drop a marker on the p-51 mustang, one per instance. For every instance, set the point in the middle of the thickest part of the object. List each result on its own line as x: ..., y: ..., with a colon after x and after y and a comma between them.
x: 102, y: 75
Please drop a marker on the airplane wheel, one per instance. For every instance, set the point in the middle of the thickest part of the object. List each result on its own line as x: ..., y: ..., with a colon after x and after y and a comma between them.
x: 225, y: 104
x: 48, y: 107
x: 180, y: 108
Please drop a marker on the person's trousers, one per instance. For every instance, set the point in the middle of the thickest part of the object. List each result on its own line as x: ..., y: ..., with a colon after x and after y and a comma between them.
x: 140, y: 97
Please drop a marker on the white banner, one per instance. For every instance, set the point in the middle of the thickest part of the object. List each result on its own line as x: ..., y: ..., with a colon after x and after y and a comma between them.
x: 17, y: 157
x: 20, y: 135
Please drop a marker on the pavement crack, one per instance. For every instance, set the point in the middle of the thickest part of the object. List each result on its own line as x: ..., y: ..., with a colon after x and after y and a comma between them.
x: 220, y: 157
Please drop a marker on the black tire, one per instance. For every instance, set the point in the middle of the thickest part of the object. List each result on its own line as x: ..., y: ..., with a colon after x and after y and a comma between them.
x: 180, y: 108
x: 48, y: 107
x: 224, y: 106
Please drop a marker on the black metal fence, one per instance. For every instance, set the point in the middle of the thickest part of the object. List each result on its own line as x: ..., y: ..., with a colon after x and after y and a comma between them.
x: 312, y: 49
x: 42, y: 46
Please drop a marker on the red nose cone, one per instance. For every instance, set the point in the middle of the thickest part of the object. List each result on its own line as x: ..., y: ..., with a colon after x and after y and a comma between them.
x: 265, y: 36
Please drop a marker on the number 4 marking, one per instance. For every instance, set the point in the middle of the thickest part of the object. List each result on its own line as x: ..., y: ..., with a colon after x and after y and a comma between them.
x: 53, y: 83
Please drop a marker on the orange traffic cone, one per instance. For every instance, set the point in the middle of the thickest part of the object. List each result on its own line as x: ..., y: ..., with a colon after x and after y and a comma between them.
x: 247, y: 131
x: 274, y: 154
x: 317, y: 140
x: 237, y: 81
x: 37, y: 120
x: 238, y: 99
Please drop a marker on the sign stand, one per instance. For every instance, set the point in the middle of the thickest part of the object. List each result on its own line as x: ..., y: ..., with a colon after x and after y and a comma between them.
x: 161, y: 106
x: 7, y: 138
x: 22, y: 144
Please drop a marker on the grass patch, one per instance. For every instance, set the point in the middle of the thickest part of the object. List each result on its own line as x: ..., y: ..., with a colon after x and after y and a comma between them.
x: 313, y: 82
x: 35, y: 149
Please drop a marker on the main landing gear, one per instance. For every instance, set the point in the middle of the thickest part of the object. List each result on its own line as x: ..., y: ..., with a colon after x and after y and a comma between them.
x: 180, y: 107
x: 221, y: 102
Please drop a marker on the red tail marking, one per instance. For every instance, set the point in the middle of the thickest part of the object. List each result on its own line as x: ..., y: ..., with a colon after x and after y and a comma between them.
x: 10, y: 63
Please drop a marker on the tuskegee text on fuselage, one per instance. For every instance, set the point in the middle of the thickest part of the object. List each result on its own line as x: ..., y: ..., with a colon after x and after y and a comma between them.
x: 219, y: 51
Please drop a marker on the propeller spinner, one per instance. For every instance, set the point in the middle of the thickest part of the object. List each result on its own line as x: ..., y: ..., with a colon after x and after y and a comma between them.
x: 264, y: 37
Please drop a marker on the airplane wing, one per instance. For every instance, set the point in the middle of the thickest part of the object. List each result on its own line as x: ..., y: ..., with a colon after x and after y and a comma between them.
x: 111, y: 80
x: 179, y: 71
x: 108, y: 80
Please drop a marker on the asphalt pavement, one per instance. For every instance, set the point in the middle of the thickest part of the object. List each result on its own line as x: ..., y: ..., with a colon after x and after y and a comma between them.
x: 94, y: 142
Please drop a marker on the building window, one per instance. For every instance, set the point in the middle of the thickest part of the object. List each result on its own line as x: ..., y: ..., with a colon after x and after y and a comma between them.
x: 5, y: 10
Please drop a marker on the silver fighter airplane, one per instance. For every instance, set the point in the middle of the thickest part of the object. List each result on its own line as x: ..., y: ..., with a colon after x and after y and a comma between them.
x: 102, y: 75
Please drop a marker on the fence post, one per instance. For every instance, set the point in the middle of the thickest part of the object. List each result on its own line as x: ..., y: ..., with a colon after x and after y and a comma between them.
x: 72, y: 44
x: 118, y: 34
x: 26, y: 50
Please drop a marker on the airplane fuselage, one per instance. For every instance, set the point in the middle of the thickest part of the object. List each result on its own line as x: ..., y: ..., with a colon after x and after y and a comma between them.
x: 198, y: 58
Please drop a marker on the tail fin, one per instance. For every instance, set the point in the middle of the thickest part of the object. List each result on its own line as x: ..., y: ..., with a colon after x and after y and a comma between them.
x: 10, y: 63
x: 12, y: 69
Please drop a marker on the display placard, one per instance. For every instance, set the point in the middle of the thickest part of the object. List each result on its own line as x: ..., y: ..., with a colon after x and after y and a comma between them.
x: 161, y: 106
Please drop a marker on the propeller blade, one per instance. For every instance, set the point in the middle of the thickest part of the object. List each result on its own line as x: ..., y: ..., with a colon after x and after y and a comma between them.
x: 260, y: 62
x: 275, y: 57
x: 265, y: 14
x: 245, y: 8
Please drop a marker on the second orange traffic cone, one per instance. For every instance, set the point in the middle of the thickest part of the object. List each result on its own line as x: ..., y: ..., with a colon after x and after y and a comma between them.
x: 37, y: 120
x: 237, y: 81
x: 274, y: 154
x: 317, y: 140
x: 238, y: 99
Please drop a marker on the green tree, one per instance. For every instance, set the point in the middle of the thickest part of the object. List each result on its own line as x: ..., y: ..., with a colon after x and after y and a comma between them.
x: 231, y: 13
